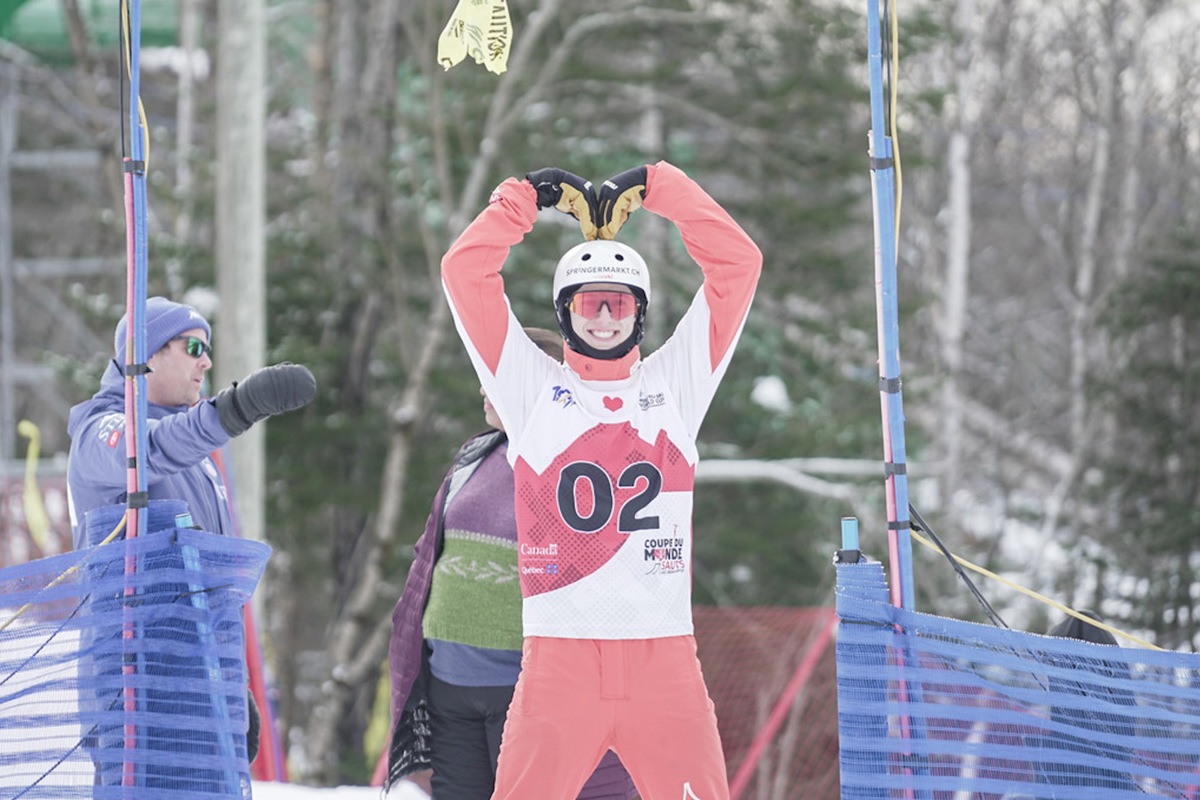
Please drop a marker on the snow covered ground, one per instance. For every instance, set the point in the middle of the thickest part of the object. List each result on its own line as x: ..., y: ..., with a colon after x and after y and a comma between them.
x: 290, y: 791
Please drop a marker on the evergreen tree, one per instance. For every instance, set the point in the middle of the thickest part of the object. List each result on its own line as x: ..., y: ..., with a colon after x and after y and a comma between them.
x: 1151, y: 487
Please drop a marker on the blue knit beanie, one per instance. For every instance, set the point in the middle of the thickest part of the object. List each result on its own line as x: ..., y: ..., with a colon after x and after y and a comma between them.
x: 165, y: 320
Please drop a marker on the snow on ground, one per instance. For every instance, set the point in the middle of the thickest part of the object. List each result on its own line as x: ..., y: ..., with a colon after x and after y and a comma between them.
x: 290, y: 791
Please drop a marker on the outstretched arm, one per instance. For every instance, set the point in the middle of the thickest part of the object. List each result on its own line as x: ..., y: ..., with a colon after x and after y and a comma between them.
x: 175, y: 443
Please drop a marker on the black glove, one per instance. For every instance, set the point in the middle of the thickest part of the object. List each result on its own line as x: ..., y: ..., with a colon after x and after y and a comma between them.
x: 620, y: 196
x: 255, y: 728
x: 567, y: 192
x: 266, y: 391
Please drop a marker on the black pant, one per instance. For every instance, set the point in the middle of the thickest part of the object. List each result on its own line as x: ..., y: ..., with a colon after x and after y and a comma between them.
x: 466, y: 723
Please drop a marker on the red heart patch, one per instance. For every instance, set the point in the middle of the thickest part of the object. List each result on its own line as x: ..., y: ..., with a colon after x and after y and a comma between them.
x: 613, y: 403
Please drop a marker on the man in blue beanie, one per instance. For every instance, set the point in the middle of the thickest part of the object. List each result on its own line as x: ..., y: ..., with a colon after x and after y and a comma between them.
x: 182, y: 430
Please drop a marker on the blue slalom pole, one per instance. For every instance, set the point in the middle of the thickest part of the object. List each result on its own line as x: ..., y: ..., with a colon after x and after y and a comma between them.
x: 136, y: 438
x: 888, y: 323
x: 883, y: 192
x: 135, y: 168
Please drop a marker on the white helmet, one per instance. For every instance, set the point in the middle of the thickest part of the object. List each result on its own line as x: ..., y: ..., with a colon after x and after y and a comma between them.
x: 601, y: 261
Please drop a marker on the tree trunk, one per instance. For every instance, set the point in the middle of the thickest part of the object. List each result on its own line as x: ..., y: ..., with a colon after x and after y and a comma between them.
x: 1083, y: 299
x: 958, y: 255
x: 241, y: 234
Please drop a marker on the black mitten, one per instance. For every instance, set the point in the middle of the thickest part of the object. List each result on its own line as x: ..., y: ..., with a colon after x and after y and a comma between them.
x: 264, y: 392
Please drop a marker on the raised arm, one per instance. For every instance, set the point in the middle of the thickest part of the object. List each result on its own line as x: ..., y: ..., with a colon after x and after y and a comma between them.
x: 730, y: 261
x: 471, y: 267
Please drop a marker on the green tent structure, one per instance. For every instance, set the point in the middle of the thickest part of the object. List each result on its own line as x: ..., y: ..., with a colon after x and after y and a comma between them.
x: 40, y: 26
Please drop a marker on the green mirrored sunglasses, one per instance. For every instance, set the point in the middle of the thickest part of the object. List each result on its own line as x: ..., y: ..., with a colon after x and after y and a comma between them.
x: 194, y: 346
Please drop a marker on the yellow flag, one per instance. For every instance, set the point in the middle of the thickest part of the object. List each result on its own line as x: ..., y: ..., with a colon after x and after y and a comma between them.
x: 480, y: 29
x: 35, y: 513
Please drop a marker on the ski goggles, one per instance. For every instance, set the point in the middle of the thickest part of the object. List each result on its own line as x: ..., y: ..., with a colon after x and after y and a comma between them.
x: 588, y: 304
x: 194, y: 346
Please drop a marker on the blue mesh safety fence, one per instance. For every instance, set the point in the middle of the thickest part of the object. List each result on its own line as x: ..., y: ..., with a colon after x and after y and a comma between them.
x: 122, y: 666
x: 943, y: 709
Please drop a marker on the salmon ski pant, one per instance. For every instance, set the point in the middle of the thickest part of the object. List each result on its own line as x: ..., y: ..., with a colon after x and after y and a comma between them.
x: 644, y: 699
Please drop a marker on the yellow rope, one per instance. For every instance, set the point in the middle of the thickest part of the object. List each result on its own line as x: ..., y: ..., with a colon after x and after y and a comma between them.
x: 129, y: 71
x: 36, y: 520
x: 1040, y: 598
x: 70, y: 570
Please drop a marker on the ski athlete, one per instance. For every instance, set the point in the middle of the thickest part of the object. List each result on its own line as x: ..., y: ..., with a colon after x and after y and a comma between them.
x: 603, y: 449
